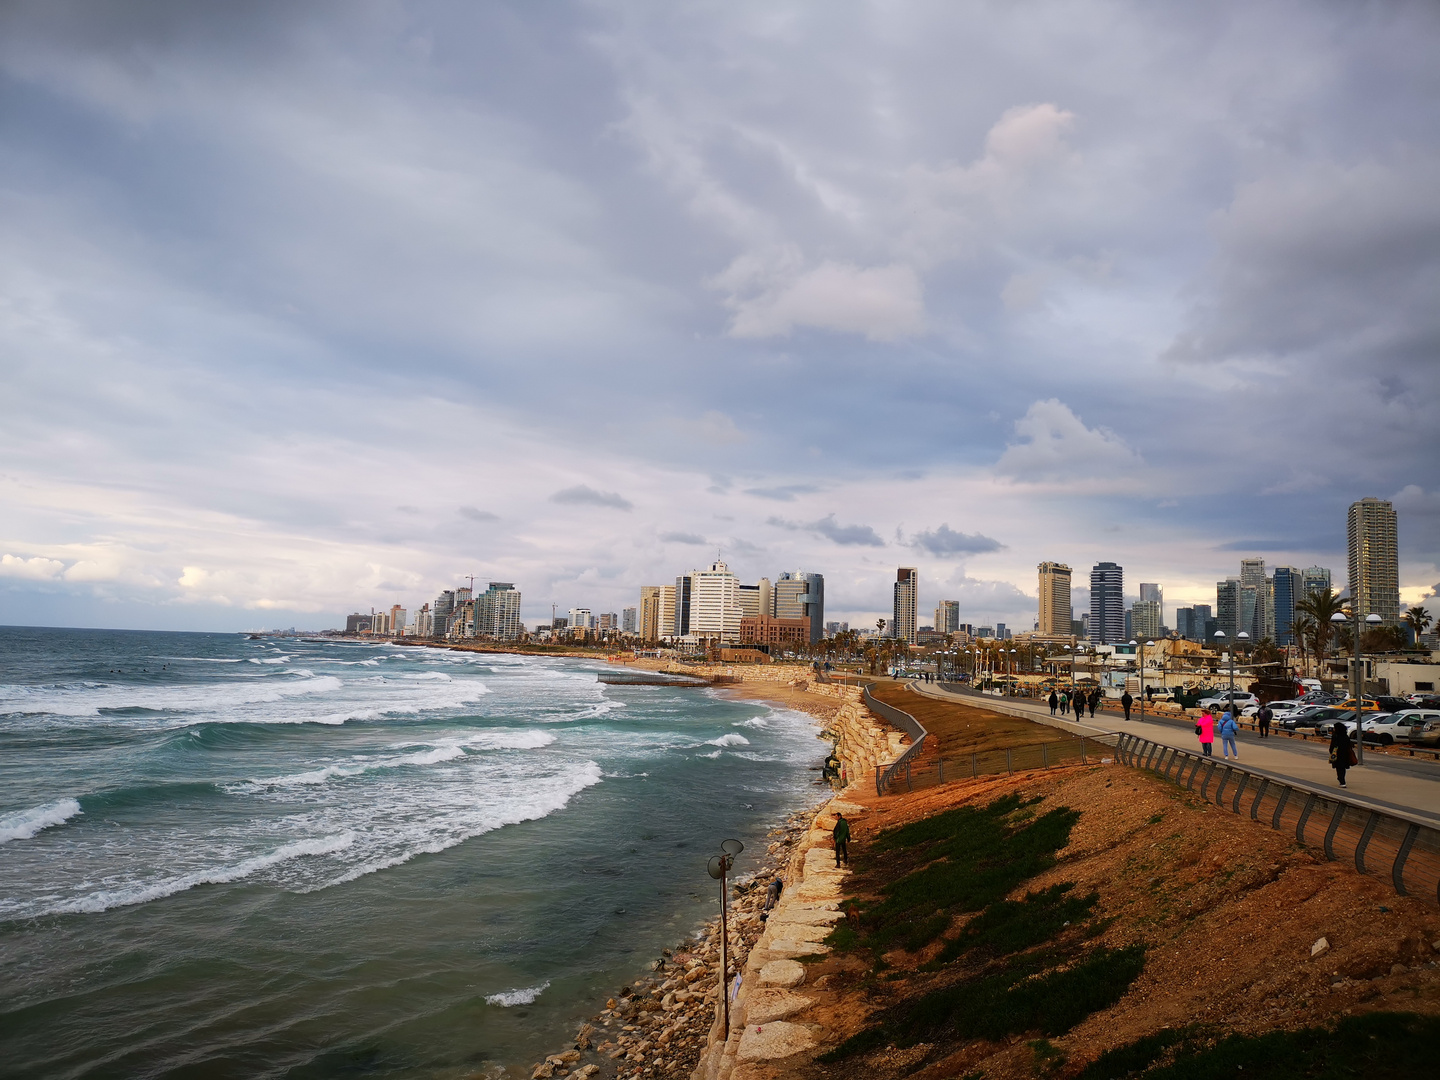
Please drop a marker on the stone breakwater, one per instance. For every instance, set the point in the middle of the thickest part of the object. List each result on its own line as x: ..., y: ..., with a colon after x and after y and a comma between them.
x: 661, y: 1024
x: 670, y: 1023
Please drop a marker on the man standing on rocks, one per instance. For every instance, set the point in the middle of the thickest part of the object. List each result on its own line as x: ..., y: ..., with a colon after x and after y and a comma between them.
x: 841, y: 833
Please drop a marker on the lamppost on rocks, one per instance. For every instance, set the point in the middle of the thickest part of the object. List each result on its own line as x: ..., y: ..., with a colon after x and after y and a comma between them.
x: 1357, y: 684
x: 719, y: 868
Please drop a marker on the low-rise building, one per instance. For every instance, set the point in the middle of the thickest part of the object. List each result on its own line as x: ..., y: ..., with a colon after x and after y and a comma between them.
x: 768, y: 630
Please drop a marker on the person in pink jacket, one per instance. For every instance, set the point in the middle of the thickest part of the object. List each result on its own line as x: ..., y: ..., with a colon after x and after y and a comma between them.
x: 1205, y: 729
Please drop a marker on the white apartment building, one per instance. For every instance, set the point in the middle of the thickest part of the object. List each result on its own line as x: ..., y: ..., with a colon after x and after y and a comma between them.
x: 715, y: 603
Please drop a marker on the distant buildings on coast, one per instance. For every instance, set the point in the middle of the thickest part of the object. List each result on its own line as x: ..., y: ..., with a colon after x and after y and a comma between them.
x: 711, y: 605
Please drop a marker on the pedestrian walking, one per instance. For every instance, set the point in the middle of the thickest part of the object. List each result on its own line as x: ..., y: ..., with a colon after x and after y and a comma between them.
x: 1228, y: 730
x: 1064, y: 703
x: 1342, y: 750
x: 1079, y: 704
x: 1054, y: 701
x: 1094, y: 701
x: 1125, y: 702
x: 1264, y: 716
x: 841, y: 834
x: 1205, y: 732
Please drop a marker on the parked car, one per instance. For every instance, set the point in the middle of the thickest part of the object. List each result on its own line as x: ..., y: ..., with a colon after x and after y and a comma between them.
x: 1428, y: 733
x: 1276, y: 708
x: 1310, y: 717
x: 1348, y: 720
x: 1397, y: 726
x: 1223, y: 698
x: 1320, y: 697
x: 1392, y: 704
x: 1366, y: 705
x: 1424, y: 700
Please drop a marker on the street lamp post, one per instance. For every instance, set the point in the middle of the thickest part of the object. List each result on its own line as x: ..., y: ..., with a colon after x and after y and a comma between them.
x: 719, y: 868
x: 1241, y: 636
x: 1357, y: 684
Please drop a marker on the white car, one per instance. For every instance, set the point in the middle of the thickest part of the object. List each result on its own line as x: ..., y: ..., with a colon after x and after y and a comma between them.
x: 1277, y: 709
x: 1222, y: 700
x: 1397, y: 726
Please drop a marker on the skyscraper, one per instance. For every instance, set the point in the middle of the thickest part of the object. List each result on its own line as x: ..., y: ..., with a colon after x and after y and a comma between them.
x: 1314, y: 580
x: 441, y: 612
x: 1374, y: 560
x: 801, y: 595
x: 1107, y: 603
x: 1152, y: 593
x: 1285, y: 586
x: 629, y: 624
x: 1145, y: 619
x: 497, y: 612
x: 715, y: 603
x: 1056, y: 612
x: 907, y: 590
x: 947, y: 616
x: 650, y: 612
x: 1227, y: 607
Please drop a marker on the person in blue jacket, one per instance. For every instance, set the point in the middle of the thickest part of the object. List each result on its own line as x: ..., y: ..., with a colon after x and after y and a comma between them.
x: 1228, y: 730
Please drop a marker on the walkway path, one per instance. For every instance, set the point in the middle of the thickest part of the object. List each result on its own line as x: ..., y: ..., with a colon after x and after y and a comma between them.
x: 1386, y: 782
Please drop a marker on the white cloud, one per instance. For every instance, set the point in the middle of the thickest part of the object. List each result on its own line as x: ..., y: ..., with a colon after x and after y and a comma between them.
x: 33, y: 569
x: 773, y: 297
x: 1057, y: 444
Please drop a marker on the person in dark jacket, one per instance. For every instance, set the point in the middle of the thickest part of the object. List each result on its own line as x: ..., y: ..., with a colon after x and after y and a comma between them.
x: 1125, y: 702
x: 1054, y: 702
x: 1264, y: 716
x: 1094, y: 700
x: 1340, y: 750
x: 1079, y: 703
x: 841, y: 834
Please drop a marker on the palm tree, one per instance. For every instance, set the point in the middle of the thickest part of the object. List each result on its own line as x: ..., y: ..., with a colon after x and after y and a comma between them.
x: 1419, y: 620
x: 1321, y: 607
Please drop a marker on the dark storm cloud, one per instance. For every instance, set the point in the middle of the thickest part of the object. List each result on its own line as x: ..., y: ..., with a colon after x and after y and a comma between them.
x: 583, y: 495
x: 946, y: 541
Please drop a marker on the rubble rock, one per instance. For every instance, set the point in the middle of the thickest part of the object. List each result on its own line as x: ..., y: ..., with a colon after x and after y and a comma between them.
x: 766, y: 1042
x: 783, y: 973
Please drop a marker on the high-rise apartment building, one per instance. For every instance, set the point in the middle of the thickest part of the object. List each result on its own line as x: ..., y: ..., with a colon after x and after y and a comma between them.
x: 579, y: 618
x: 1107, y: 603
x: 1204, y: 622
x: 1151, y: 593
x: 1227, y: 607
x: 1185, y: 623
x: 1374, y: 560
x: 440, y: 613
x: 1145, y: 620
x: 907, y: 594
x: 715, y: 603
x: 650, y: 612
x: 1252, y: 571
x: 1285, y: 586
x: 1056, y: 613
x: 680, y: 606
x: 947, y: 616
x: 667, y: 611
x: 497, y: 612
x: 801, y: 595
x: 1314, y: 580
x: 629, y: 623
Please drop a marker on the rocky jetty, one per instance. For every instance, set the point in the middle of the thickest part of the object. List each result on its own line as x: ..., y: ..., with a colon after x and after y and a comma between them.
x: 660, y: 1024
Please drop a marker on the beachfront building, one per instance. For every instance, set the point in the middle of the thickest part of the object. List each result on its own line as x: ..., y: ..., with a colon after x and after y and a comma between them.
x: 497, y: 612
x: 440, y: 613
x: 769, y: 630
x: 650, y: 611
x: 580, y: 618
x: 757, y: 599
x: 714, y: 603
x: 628, y: 622
x: 1107, y: 603
x: 1374, y: 560
x: 800, y: 595
x: 1056, y: 612
x: 907, y: 594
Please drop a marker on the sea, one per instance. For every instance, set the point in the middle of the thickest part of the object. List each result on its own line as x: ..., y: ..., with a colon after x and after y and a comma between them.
x: 229, y: 857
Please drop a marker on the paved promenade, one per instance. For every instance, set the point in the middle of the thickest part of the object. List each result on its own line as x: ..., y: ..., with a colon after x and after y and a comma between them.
x: 1391, y: 783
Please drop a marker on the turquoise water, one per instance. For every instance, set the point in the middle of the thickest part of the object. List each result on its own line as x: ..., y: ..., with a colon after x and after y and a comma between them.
x: 222, y: 857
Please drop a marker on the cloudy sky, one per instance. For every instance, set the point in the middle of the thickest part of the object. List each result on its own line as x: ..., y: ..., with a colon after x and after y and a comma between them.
x: 312, y: 307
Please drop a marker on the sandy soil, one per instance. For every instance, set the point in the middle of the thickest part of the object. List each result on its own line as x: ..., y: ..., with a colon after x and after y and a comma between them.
x: 1227, y: 908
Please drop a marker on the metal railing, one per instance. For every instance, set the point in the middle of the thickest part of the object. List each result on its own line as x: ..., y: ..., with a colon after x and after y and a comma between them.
x: 1376, y: 841
x: 906, y: 723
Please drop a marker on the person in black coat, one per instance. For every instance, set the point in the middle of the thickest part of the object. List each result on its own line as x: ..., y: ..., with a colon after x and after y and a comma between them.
x: 1125, y: 702
x: 1341, y: 749
x: 1094, y: 700
x: 1054, y: 702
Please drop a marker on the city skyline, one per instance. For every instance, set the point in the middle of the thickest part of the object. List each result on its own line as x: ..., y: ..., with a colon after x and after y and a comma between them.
x: 310, y: 306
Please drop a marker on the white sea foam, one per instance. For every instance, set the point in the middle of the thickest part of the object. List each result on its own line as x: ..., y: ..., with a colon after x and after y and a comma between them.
x: 26, y: 823
x: 753, y: 722
x: 733, y: 739
x: 203, y: 699
x: 438, y: 752
x: 105, y: 899
x: 713, y: 754
x: 517, y: 997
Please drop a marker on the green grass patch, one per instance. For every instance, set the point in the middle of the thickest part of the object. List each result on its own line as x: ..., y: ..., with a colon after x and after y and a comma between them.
x: 1024, y: 998
x: 963, y: 860
x: 1375, y: 1046
x: 1015, y: 925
